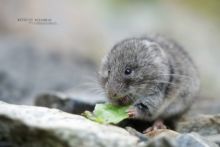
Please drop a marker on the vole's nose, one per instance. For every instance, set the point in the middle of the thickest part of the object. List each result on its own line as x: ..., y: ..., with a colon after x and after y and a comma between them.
x: 112, y: 94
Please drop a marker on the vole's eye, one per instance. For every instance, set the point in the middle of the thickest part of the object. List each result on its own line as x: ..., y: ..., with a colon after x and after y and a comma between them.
x: 108, y: 72
x: 128, y: 71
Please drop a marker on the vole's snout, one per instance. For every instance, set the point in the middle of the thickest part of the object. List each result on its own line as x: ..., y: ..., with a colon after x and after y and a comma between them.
x: 112, y: 95
x: 118, y: 98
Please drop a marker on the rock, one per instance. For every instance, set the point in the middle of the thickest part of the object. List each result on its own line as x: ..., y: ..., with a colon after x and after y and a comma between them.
x: 30, y: 126
x: 214, y: 138
x: 194, y: 140
x: 162, y: 132
x: 161, y: 142
x: 169, y: 138
x: 205, y: 125
x: 162, y: 138
x: 63, y: 102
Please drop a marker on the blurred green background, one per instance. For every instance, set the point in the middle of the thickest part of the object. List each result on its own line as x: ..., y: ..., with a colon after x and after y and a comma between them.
x: 57, y: 57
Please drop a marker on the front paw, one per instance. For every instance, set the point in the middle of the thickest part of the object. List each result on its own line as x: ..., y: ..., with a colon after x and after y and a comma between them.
x: 132, y: 112
x: 138, y: 111
x: 158, y: 124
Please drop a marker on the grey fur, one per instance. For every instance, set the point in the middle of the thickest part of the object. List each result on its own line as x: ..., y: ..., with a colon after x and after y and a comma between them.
x: 163, y: 75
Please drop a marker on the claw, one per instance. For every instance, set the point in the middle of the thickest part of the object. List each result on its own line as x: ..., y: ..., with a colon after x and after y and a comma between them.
x: 131, y: 113
x: 156, y: 126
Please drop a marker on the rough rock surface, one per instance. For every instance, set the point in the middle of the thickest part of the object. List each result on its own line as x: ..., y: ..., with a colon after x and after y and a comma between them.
x: 29, y: 126
x: 63, y: 102
x: 204, y: 125
x: 169, y: 138
x: 194, y: 140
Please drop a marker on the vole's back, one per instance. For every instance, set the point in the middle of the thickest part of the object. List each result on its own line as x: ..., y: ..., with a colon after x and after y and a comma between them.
x: 184, y: 79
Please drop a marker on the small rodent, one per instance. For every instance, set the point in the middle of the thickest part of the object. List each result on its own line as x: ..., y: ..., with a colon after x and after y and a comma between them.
x: 152, y: 73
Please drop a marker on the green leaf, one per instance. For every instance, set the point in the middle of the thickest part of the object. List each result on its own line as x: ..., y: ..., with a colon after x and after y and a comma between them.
x: 92, y: 117
x: 107, y: 113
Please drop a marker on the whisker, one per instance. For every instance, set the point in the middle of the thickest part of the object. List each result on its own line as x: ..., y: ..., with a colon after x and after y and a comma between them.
x: 158, y: 82
x: 165, y: 82
x: 177, y: 75
x: 91, y: 85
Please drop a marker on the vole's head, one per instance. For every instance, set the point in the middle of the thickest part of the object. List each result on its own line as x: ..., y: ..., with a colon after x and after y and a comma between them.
x: 132, y: 69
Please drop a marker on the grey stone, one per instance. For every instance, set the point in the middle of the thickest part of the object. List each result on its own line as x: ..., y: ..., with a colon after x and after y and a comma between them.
x: 30, y: 126
x: 169, y: 138
x: 194, y: 140
x: 205, y: 125
x: 63, y: 102
x: 163, y: 132
x: 161, y: 142
x: 162, y: 138
x: 214, y: 138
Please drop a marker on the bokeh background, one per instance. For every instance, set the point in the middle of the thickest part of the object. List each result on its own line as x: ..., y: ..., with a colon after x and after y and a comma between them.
x: 63, y: 53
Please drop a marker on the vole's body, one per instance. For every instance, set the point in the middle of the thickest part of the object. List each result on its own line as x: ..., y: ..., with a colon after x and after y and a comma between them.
x: 153, y: 74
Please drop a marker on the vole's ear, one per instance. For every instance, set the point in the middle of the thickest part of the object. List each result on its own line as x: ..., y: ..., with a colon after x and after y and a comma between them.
x: 104, y: 60
x: 103, y: 70
x: 153, y: 48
